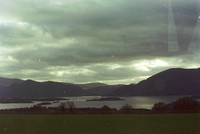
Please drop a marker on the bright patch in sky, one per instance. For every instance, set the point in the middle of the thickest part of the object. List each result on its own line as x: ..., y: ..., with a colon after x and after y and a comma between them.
x: 147, y: 65
x: 114, y: 66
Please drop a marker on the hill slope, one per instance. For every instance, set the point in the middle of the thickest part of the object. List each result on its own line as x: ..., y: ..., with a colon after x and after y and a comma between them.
x: 104, y: 90
x: 7, y: 81
x: 31, y: 88
x: 175, y: 81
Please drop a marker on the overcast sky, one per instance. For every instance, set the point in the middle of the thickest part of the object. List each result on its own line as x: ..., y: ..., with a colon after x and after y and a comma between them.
x: 82, y: 41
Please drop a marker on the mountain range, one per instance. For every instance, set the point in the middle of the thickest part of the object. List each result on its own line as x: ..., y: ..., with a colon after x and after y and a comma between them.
x: 176, y: 81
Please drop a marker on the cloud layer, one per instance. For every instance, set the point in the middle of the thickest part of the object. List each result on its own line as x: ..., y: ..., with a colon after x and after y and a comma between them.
x: 89, y: 41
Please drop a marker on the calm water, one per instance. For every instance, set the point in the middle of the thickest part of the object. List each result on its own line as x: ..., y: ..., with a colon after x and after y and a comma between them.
x: 80, y: 102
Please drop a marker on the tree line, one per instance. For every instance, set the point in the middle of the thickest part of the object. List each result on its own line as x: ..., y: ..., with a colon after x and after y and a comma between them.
x: 182, y: 105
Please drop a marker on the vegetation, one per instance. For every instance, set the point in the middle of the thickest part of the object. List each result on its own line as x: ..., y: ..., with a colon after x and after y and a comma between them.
x: 104, y: 120
x: 100, y: 124
x: 68, y: 107
x: 186, y: 103
x: 182, y: 105
x: 126, y: 109
x: 160, y: 106
x: 107, y: 110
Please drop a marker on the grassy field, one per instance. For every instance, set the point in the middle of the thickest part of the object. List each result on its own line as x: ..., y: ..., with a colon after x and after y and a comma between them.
x: 100, y: 124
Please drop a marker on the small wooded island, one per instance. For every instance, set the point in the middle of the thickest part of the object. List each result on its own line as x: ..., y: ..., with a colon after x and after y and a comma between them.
x: 107, y: 99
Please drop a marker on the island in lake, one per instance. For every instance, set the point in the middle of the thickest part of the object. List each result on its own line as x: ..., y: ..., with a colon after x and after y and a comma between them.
x: 107, y: 99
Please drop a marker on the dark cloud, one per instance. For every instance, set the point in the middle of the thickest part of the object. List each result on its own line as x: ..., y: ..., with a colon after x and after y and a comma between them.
x: 89, y: 41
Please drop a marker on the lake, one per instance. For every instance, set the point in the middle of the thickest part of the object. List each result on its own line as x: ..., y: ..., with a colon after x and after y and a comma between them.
x: 81, y: 102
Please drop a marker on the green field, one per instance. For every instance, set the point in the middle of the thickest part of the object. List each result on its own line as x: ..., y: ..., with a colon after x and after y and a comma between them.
x: 100, y: 124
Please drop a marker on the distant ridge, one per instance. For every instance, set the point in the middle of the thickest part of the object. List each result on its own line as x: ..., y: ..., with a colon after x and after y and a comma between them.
x: 8, y: 81
x: 30, y: 88
x: 175, y: 81
x: 104, y: 90
x: 87, y: 86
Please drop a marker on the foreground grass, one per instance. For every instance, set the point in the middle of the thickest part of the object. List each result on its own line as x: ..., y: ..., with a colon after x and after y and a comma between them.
x: 100, y: 124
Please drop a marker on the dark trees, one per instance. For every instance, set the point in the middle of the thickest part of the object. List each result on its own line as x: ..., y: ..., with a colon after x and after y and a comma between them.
x: 126, y: 109
x: 159, y: 107
x: 186, y: 104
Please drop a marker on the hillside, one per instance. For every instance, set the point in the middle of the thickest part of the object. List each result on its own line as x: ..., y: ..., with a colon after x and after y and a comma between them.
x: 7, y: 81
x: 175, y: 81
x: 104, y: 90
x: 30, y: 88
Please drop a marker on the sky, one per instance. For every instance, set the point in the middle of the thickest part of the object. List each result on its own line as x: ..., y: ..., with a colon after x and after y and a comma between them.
x: 84, y: 41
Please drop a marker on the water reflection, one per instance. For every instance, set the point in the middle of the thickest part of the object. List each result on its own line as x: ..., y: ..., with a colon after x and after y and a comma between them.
x: 81, y: 102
